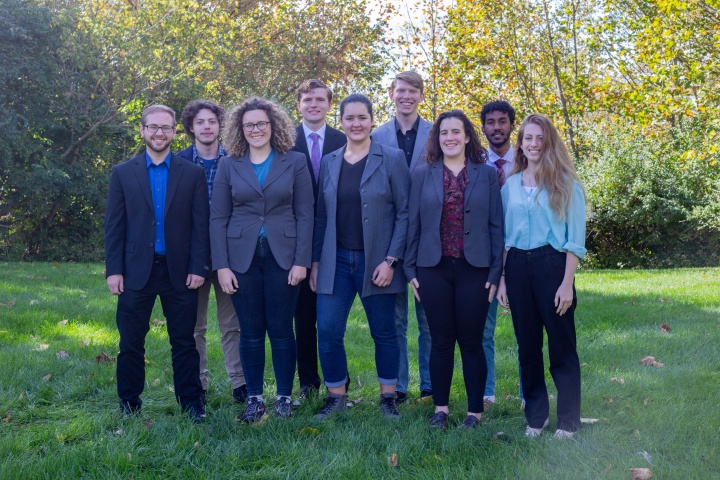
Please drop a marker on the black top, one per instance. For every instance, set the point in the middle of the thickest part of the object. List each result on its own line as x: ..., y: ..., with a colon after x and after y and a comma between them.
x: 349, y: 210
x: 406, y: 140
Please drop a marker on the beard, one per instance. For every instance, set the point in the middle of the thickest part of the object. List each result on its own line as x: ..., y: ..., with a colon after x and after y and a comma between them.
x: 151, y: 146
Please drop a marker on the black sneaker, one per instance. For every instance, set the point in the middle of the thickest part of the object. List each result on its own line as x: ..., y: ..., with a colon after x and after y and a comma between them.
x: 388, y: 406
x: 471, y: 422
x: 196, y: 412
x: 439, y: 421
x: 332, y: 405
x: 425, y: 394
x: 400, y: 398
x: 254, y: 411
x: 203, y: 398
x: 240, y: 394
x: 307, y: 391
x: 128, y: 409
x: 283, y: 408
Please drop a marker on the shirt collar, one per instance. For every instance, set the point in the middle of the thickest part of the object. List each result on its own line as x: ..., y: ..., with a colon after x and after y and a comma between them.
x: 221, y: 153
x: 415, y: 126
x: 493, y: 157
x: 320, y: 131
x: 148, y: 160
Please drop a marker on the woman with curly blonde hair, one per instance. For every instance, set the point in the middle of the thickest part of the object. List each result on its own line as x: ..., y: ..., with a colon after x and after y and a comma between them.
x: 544, y: 206
x: 261, y: 226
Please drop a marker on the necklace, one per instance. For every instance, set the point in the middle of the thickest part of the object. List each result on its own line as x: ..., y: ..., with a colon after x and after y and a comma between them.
x: 529, y: 189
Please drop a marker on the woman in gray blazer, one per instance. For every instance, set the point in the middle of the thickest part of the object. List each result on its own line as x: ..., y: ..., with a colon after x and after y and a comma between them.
x: 359, y: 239
x: 261, y: 226
x: 454, y: 256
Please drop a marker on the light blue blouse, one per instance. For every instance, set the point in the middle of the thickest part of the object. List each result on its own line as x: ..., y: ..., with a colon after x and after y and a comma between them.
x: 531, y: 223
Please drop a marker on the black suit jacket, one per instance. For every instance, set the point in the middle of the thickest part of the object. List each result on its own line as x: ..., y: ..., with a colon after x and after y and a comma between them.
x: 130, y: 223
x: 334, y: 139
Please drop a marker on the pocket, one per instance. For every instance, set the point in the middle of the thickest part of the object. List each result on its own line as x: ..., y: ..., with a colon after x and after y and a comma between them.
x: 557, y: 259
x: 291, y: 231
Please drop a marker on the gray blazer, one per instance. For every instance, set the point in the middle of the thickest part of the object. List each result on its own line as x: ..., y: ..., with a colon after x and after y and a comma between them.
x: 386, y: 134
x: 384, y: 189
x: 240, y: 207
x: 483, y: 239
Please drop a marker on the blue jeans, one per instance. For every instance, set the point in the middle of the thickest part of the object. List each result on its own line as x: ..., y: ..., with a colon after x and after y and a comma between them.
x: 265, y: 302
x: 332, y: 315
x: 424, y: 342
x: 489, y: 348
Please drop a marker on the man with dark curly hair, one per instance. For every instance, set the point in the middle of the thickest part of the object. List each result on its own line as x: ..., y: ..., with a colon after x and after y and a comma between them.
x: 202, y: 121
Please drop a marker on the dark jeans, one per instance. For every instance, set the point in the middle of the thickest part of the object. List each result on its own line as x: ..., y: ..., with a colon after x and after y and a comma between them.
x: 265, y: 302
x: 456, y: 304
x: 333, y: 311
x: 532, y: 278
x: 133, y: 321
x: 306, y: 337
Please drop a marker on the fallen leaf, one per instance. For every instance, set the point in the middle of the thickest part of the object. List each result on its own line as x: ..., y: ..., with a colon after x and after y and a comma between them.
x: 158, y: 323
x: 604, y: 472
x: 633, y: 301
x: 156, y: 382
x: 262, y: 421
x: 196, y: 445
x: 499, y: 434
x: 393, y: 459
x: 589, y: 421
x: 313, y: 432
x: 609, y: 400
x: 47, y: 377
x: 42, y: 346
x: 129, y: 456
x: 120, y: 432
x: 621, y: 381
x: 84, y: 342
x: 148, y: 423
x: 62, y: 323
x: 505, y: 311
x: 425, y: 400
x: 438, y: 458
x: 23, y: 394
x: 62, y: 354
x: 104, y: 358
x: 650, y: 361
x: 358, y: 400
x: 7, y: 417
x: 646, y: 402
x: 646, y: 456
x: 665, y: 328
x: 663, y: 300
x: 92, y: 375
x: 56, y: 264
x: 641, y: 473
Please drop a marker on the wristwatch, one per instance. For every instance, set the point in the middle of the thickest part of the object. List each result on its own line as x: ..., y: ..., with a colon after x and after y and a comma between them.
x: 391, y: 262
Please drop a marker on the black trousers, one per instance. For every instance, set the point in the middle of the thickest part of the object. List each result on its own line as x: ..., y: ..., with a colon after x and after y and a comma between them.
x: 456, y: 303
x: 306, y: 337
x: 532, y: 278
x: 134, y: 309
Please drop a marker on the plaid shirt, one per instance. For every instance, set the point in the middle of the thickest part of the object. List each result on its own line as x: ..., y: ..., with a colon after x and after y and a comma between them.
x: 209, y: 172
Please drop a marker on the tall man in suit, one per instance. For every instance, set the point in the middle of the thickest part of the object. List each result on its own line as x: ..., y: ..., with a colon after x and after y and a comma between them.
x: 202, y: 121
x: 157, y: 244
x: 408, y: 131
x: 315, y: 138
x: 498, y: 123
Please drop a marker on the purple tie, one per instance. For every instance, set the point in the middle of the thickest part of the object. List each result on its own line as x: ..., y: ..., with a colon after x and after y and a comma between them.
x: 499, y: 163
x: 315, y: 154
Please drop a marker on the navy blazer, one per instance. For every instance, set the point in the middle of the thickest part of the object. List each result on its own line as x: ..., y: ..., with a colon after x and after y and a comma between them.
x: 130, y: 223
x: 483, y: 219
x: 386, y: 134
x: 334, y: 139
x: 284, y: 206
x: 384, y: 189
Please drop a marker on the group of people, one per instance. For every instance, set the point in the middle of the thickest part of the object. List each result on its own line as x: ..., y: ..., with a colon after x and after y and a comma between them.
x: 290, y: 223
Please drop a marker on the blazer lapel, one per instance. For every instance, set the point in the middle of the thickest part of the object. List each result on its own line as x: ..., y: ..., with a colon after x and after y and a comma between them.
x: 473, y: 171
x: 437, y: 172
x: 279, y: 165
x: 422, y: 136
x: 174, y: 174
x: 373, y: 162
x: 141, y: 173
x: 243, y: 167
x: 333, y: 167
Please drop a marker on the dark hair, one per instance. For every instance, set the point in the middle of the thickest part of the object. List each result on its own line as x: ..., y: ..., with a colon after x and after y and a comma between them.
x: 473, y: 149
x: 356, y: 98
x: 498, y: 106
x: 282, y: 136
x: 312, y: 84
x: 193, y: 108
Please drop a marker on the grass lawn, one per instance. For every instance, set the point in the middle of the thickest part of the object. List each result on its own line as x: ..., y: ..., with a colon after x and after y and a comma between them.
x: 60, y: 418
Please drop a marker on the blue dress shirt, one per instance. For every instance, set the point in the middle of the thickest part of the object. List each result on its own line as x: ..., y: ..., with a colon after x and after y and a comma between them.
x: 531, y: 223
x: 158, y: 176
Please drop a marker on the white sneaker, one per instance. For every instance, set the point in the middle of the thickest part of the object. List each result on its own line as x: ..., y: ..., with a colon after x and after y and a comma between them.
x: 535, y: 432
x: 522, y: 405
x: 563, y: 434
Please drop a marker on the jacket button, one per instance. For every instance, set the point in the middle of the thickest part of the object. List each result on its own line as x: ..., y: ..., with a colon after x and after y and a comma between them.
x: 262, y: 219
x: 467, y: 232
x: 151, y: 245
x: 262, y: 200
x: 366, y: 220
x: 362, y: 190
x: 365, y: 205
x: 153, y: 223
x: 467, y: 211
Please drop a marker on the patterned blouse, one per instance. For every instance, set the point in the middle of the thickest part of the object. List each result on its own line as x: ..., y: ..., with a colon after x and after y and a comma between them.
x: 452, y: 220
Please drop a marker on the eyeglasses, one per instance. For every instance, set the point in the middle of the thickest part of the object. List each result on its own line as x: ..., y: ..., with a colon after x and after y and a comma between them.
x: 249, y: 127
x: 155, y: 128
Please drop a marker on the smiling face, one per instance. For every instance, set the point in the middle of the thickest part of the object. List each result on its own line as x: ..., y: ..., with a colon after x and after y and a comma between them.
x: 158, y: 141
x: 206, y: 127
x: 257, y: 139
x: 532, y: 142
x: 452, y: 138
x: 314, y: 106
x: 497, y: 128
x: 406, y: 97
x: 356, y: 122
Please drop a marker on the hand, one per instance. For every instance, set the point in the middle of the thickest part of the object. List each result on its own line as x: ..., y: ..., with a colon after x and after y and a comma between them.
x: 383, y: 275
x: 563, y: 298
x: 115, y: 284
x: 313, y: 276
x: 297, y: 274
x: 415, y: 285
x: 492, y: 288
x: 227, y: 280
x: 502, y: 293
x: 194, y: 282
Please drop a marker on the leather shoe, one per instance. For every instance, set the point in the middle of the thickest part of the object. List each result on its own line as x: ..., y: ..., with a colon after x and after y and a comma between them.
x: 196, y: 412
x: 240, y: 394
x: 128, y: 409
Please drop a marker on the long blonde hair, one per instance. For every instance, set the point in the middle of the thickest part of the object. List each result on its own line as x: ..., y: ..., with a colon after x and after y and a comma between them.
x: 556, y: 171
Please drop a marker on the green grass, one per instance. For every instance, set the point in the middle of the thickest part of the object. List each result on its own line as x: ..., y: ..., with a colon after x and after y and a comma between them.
x: 68, y: 426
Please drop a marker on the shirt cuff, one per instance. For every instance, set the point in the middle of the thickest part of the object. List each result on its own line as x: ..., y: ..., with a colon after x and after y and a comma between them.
x: 578, y: 250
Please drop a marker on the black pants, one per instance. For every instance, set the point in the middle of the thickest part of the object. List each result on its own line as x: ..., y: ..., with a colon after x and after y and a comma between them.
x: 456, y: 303
x: 533, y: 277
x: 306, y: 336
x: 133, y: 321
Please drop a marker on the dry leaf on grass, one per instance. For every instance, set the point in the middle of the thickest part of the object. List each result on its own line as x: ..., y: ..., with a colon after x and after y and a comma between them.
x: 646, y: 402
x: 393, y: 460
x: 158, y: 323
x: 651, y: 362
x: 47, y: 377
x: 196, y: 445
x: 589, y: 421
x: 499, y: 434
x: 104, y: 358
x: 646, y: 456
x: 619, y: 380
x: 23, y: 394
x: 7, y: 417
x: 120, y: 432
x: 62, y: 354
x: 604, y: 472
x: 609, y: 400
x: 84, y: 342
x: 313, y: 432
x: 641, y: 473
x: 663, y: 300
x: 129, y: 456
x: 665, y: 328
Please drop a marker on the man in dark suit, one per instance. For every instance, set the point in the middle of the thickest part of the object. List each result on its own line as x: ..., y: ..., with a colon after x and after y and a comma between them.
x: 315, y: 138
x: 157, y: 244
x: 408, y: 131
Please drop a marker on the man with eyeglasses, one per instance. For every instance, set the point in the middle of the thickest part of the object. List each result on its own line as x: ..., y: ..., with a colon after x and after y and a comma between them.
x: 157, y: 244
x: 202, y: 121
